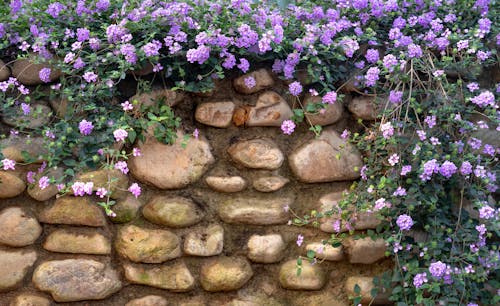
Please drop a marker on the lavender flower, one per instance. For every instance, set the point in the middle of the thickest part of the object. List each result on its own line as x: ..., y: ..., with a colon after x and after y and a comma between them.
x: 199, y: 55
x: 330, y: 97
x: 486, y: 212
x: 387, y: 130
x: 372, y: 76
x: 429, y: 168
x: 295, y: 88
x: 44, y: 75
x: 395, y: 96
x: 249, y: 82
x: 393, y: 159
x: 120, y: 134
x: 447, y: 169
x: 405, y: 170
x: 420, y: 279
x: 8, y: 164
x: 437, y: 269
x: 484, y: 99
x: 404, y: 222
x: 135, y: 189
x: 101, y: 192
x: 300, y: 239
x: 90, y: 76
x: 85, y: 127
x: 288, y: 126
x: 43, y: 182
x: 122, y: 166
x: 372, y: 55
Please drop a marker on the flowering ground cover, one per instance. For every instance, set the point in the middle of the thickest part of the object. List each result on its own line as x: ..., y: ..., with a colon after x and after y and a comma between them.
x: 429, y: 139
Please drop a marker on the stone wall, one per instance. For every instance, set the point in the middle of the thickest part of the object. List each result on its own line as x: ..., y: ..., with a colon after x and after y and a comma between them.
x: 212, y: 226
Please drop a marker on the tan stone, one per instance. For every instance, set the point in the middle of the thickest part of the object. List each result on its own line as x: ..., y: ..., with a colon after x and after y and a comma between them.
x: 126, y: 209
x: 73, y: 280
x: 270, y: 110
x: 270, y: 183
x: 175, y: 277
x: 257, y: 154
x: 227, y: 184
x: 365, y: 250
x: 27, y: 72
x: 256, y: 211
x: 331, y: 114
x: 14, y: 266
x: 147, y: 245
x: 27, y: 299
x: 263, y: 80
x: 326, y: 251
x: 324, y: 298
x: 10, y: 185
x: 73, y: 211
x: 149, y: 300
x: 171, y: 97
x: 113, y: 180
x: 14, y: 146
x: 363, y: 107
x: 206, y: 241
x: 171, y: 166
x: 311, y: 277
x: 266, y: 248
x: 4, y: 71
x: 172, y: 211
x: 87, y: 242
x: 326, y: 159
x: 225, y: 274
x: 18, y: 228
x: 217, y: 114
x: 366, y: 285
x: 40, y: 194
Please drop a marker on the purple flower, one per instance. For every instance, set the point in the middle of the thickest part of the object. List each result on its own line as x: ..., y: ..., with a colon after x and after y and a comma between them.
x: 249, y: 82
x: 122, y: 166
x: 395, y: 96
x: 300, y: 240
x: 330, y: 97
x: 120, y: 134
x: 90, y: 76
x: 372, y: 55
x: 26, y: 109
x: 431, y: 121
x: 152, y: 48
x: 43, y: 182
x: 102, y: 5
x: 295, y: 88
x: 196, y: 133
x: 126, y: 106
x: 484, y: 99
x: 404, y: 222
x: 79, y: 63
x: 387, y: 130
x: 135, y: 189
x: 82, y: 34
x: 400, y: 192
x: 420, y: 279
x: 447, y: 169
x: 486, y: 212
x: 136, y: 152
x: 128, y: 51
x: 372, y: 76
x: 44, y: 75
x: 429, y: 168
x: 414, y: 51
x: 115, y: 32
x: 393, y: 159
x: 288, y: 126
x: 101, y: 192
x: 437, y: 269
x: 85, y: 127
x: 81, y: 188
x: 381, y: 203
x: 390, y: 61
x: 244, y: 65
x: 8, y: 164
x: 200, y: 54
x: 54, y: 9
x: 405, y: 170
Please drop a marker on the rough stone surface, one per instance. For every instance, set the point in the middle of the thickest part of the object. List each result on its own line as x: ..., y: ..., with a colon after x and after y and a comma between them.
x: 10, y: 185
x: 171, y: 97
x: 257, y: 211
x: 226, y: 183
x: 366, y: 285
x: 14, y: 265
x: 126, y: 209
x: 270, y: 110
x: 270, y: 183
x: 257, y: 154
x: 14, y: 146
x: 113, y: 180
x: 171, y: 166
x: 206, y: 241
x: 39, y: 116
x: 27, y: 72
x: 146, y: 245
x: 66, y: 241
x: 174, y: 277
x: 40, y: 194
x: 172, y: 211
x: 27, y: 299
x: 365, y: 250
x: 18, y: 228
x: 74, y: 280
x: 323, y: 298
x: 73, y: 211
x: 326, y: 159
x: 331, y: 114
x: 263, y: 80
x: 266, y: 249
x: 311, y: 277
x: 363, y: 107
x: 4, y: 71
x: 326, y: 251
x: 217, y: 114
x: 225, y: 274
x: 149, y: 300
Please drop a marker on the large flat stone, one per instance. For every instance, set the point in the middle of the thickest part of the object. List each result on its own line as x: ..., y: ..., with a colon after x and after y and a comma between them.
x: 172, y: 211
x: 216, y: 114
x: 257, y: 154
x: 86, y: 242
x: 175, y: 277
x: 225, y: 274
x: 73, y: 211
x: 257, y: 211
x: 206, y: 241
x: 18, y: 228
x: 14, y: 265
x: 10, y: 185
x: 312, y: 277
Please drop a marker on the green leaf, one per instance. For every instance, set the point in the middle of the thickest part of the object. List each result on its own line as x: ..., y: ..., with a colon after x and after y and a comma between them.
x: 310, y: 254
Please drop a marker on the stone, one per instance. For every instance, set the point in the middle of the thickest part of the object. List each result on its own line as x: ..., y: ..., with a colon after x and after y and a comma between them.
x: 73, y: 280
x: 327, y: 158
x: 364, y: 250
x: 149, y: 300
x: 4, y: 71
x: 14, y: 266
x: 323, y: 298
x: 171, y: 97
x: 256, y: 211
x: 311, y: 277
x: 366, y: 285
x: 217, y: 114
x: 39, y: 194
x: 27, y: 72
x: 270, y: 110
x: 87, y: 242
x: 175, y: 277
x: 270, y: 183
x: 197, y: 301
x: 126, y: 209
x: 40, y: 115
x: 27, y: 299
x: 331, y: 114
x: 14, y: 146
x: 206, y: 241
x: 326, y: 251
x: 362, y: 219
x: 225, y: 274
x: 10, y: 185
x: 147, y: 245
x: 266, y: 248
x: 113, y: 180
x: 263, y: 80
x: 257, y: 154
x: 227, y: 184
x: 363, y: 107
x: 172, y: 211
x: 73, y: 211
x: 171, y: 166
x: 18, y: 228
